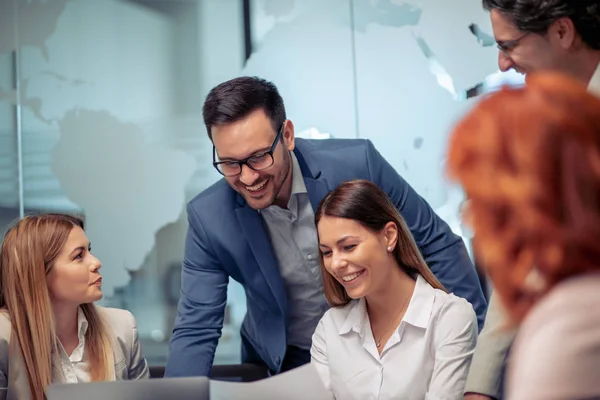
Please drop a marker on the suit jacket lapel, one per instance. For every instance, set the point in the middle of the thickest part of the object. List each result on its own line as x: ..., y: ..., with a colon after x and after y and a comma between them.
x: 317, y: 189
x: 316, y: 185
x: 253, y: 227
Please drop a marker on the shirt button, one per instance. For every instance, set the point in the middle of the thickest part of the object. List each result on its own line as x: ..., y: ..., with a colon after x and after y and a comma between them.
x: 309, y: 257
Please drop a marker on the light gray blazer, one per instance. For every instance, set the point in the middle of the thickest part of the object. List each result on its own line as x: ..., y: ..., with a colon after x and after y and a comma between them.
x: 129, y: 361
x: 489, y: 360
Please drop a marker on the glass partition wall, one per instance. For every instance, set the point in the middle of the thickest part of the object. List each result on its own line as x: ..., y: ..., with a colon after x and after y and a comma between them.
x: 101, y: 113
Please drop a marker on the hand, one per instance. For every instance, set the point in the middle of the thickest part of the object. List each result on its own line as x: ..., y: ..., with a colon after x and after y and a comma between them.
x: 477, y: 396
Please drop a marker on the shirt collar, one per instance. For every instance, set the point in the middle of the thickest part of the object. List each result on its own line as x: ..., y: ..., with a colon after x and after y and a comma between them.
x: 594, y: 85
x: 355, y: 318
x: 419, y: 309
x: 298, y: 185
x: 417, y: 314
x: 82, y: 324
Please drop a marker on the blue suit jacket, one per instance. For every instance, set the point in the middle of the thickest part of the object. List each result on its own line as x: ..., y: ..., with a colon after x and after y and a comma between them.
x: 226, y: 238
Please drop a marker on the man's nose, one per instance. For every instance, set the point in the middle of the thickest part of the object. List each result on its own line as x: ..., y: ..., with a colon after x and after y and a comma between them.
x: 248, y: 176
x: 504, y: 62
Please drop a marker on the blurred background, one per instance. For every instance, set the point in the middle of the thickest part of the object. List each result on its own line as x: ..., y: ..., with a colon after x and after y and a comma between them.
x: 101, y: 113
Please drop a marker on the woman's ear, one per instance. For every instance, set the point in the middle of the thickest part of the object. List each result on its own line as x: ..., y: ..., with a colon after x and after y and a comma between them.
x: 390, y: 234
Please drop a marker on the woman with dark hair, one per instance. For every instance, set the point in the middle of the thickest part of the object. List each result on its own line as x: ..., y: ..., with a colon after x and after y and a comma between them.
x: 529, y: 162
x: 392, y: 331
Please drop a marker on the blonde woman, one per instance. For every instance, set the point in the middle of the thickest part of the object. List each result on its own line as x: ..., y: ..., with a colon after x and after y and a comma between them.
x: 50, y: 330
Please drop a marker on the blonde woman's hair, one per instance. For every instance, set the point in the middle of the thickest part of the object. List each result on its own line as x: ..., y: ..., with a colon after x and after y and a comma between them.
x: 28, y: 252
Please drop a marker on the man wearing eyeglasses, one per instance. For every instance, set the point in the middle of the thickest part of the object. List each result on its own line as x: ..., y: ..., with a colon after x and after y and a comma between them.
x: 533, y: 35
x: 257, y: 226
x: 537, y: 35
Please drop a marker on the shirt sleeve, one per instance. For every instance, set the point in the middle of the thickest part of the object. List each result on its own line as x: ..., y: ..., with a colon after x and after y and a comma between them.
x: 318, y: 354
x: 455, y: 337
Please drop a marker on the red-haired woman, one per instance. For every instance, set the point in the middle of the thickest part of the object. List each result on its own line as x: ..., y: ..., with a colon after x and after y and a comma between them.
x: 529, y: 162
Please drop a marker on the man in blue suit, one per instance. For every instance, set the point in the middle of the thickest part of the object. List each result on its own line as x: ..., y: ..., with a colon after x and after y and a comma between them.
x: 257, y: 226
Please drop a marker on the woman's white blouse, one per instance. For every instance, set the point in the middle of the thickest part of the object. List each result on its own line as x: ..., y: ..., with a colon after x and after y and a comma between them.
x: 427, y: 356
x: 75, y: 367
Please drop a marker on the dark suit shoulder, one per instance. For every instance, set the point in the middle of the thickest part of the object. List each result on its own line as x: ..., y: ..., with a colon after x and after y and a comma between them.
x: 336, y: 160
x: 346, y: 153
x: 332, y: 145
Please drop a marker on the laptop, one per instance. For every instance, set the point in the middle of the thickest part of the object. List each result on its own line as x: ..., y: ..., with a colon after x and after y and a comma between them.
x: 194, y: 388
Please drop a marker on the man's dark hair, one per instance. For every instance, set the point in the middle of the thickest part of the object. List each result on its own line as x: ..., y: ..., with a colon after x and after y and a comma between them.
x: 536, y: 16
x: 233, y: 100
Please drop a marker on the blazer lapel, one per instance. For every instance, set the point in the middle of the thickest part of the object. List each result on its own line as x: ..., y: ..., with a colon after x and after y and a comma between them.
x: 317, y: 189
x: 316, y: 185
x: 120, y: 361
x: 253, y: 227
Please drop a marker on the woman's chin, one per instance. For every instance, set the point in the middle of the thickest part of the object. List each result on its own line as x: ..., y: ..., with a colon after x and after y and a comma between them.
x: 96, y: 296
x: 356, y: 293
x: 355, y: 296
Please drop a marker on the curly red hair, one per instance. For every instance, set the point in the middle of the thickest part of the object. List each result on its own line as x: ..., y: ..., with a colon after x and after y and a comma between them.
x: 529, y: 161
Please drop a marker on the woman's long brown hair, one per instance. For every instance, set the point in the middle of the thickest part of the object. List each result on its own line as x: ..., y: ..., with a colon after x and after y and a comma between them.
x: 364, y: 202
x: 27, y: 254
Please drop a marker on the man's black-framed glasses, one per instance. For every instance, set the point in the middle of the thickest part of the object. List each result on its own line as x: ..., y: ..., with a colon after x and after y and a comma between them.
x: 257, y: 162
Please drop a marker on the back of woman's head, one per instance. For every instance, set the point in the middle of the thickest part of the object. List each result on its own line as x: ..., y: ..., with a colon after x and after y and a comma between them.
x: 364, y: 202
x: 27, y: 254
x: 529, y: 162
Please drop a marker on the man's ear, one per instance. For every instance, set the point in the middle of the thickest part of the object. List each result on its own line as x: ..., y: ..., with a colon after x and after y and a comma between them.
x: 562, y: 33
x: 288, y: 135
